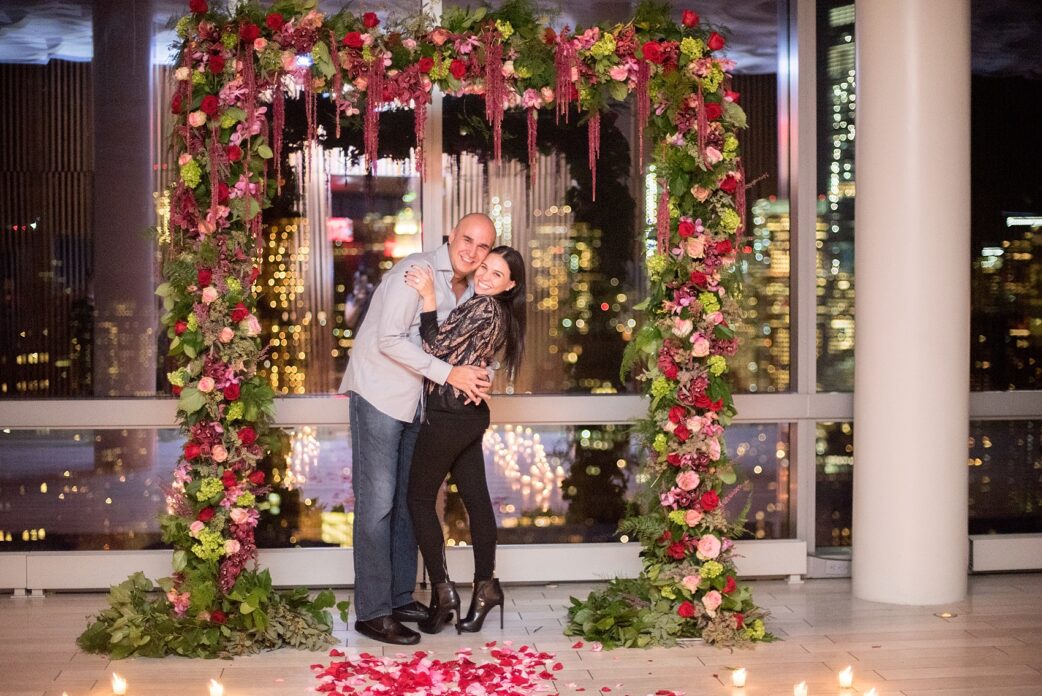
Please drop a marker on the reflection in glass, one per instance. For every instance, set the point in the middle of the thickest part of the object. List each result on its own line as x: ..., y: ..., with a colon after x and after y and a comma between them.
x: 1005, y: 463
x: 834, y: 484
x: 761, y: 452
x: 835, y: 217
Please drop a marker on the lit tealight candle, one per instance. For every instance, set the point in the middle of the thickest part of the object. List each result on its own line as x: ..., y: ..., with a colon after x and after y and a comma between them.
x: 846, y: 678
x: 800, y: 689
x: 119, y: 685
x: 738, y: 677
x: 871, y: 692
x: 216, y: 688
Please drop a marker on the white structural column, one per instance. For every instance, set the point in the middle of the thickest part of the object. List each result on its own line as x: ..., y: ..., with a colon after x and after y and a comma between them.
x: 912, y: 265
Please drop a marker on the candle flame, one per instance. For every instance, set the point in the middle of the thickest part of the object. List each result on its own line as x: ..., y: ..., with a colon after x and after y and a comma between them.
x: 846, y: 677
x: 119, y: 684
x: 216, y: 688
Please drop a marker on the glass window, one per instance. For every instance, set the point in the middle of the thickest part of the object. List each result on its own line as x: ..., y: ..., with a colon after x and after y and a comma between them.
x: 1006, y: 210
x: 836, y: 116
x: 1005, y: 477
x: 833, y: 485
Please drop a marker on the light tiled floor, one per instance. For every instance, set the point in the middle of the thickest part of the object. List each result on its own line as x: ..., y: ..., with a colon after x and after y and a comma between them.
x: 992, y: 647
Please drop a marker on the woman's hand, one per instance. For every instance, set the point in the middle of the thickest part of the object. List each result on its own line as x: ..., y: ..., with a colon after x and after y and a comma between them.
x: 421, y: 279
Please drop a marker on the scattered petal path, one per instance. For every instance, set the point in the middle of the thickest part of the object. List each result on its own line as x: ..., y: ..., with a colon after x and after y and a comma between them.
x: 508, y: 672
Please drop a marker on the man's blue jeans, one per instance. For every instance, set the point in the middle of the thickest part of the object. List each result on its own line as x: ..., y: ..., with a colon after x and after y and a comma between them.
x: 384, y: 546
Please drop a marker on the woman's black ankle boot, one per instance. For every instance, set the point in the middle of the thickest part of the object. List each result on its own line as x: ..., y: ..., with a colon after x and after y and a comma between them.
x: 444, y: 603
x: 487, y: 595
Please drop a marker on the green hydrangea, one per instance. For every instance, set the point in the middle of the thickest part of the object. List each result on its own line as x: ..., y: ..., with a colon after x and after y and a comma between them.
x: 668, y: 592
x: 604, y: 47
x: 271, y: 58
x: 523, y: 73
x: 730, y: 146
x: 660, y: 387
x: 755, y: 630
x: 729, y: 219
x: 191, y: 174
x: 210, y: 546
x: 230, y: 40
x: 715, y: 78
x: 209, y: 488
x: 235, y: 412
x: 184, y: 27
x: 233, y: 284
x: 657, y: 265
x: 678, y: 517
x: 227, y: 120
x: 178, y: 378
x: 199, y: 78
x: 193, y: 322
x: 246, y: 500
x: 710, y: 569
x: 709, y: 301
x: 717, y: 365
x: 692, y: 47
x: 661, y: 444
x: 505, y: 29
x: 440, y: 71
x: 367, y: 54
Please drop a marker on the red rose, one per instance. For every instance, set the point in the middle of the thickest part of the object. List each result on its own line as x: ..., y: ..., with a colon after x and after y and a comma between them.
x: 730, y: 586
x: 425, y: 64
x: 274, y: 21
x: 703, y: 401
x: 715, y: 42
x: 216, y: 63
x: 685, y: 229
x: 353, y: 39
x: 698, y: 279
x: 686, y: 610
x: 714, y: 111
x: 729, y: 184
x: 222, y: 192
x: 670, y: 371
x: 209, y: 105
x: 204, y: 277
x: 198, y: 6
x: 682, y: 433
x: 731, y: 96
x: 231, y: 392
x: 677, y: 414
x: 247, y: 435
x: 192, y: 450
x: 218, y: 616
x: 257, y: 478
x: 723, y: 248
x: 249, y: 32
x: 549, y: 37
x: 739, y: 619
x: 370, y: 20
x: 175, y: 104
x: 234, y: 153
x: 205, y: 515
x: 228, y: 479
x: 689, y: 18
x: 254, y: 273
x: 677, y: 550
x: 652, y: 52
x: 458, y: 69
x: 674, y: 459
x: 180, y: 326
x: 710, y: 501
x: 239, y: 312
x: 175, y: 390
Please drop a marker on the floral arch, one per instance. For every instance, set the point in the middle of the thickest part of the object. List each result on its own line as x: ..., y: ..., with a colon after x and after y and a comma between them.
x: 233, y: 76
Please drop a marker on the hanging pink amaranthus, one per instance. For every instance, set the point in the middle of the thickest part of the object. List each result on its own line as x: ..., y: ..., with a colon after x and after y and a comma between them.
x: 593, y: 138
x: 419, y: 124
x: 338, y: 81
x: 662, y: 217
x: 643, y: 98
x: 566, y: 65
x: 532, y: 122
x: 278, y: 124
x: 373, y: 100
x: 703, y: 123
x: 495, y: 89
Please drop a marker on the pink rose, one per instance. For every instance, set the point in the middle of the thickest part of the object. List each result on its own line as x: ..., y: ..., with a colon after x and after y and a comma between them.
x: 547, y: 94
x: 209, y: 294
x: 239, y: 515
x: 196, y: 119
x: 695, y: 247
x: 219, y: 453
x: 691, y: 582
x: 226, y: 335
x: 232, y: 546
x: 715, y: 318
x: 253, y: 327
x: 439, y: 36
x: 196, y: 527
x: 206, y: 385
x: 712, y: 601
x: 708, y: 547
x: 688, y: 481
x: 619, y: 73
x: 260, y: 44
x: 184, y: 159
x: 699, y: 346
x: 682, y: 327
x: 714, y: 450
x: 713, y: 156
x: 693, y: 517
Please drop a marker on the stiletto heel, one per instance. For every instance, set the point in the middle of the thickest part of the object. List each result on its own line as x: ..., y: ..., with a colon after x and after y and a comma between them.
x: 444, y: 605
x: 487, y: 595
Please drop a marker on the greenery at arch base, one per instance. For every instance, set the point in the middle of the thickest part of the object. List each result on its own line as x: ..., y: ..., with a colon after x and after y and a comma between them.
x: 229, y: 110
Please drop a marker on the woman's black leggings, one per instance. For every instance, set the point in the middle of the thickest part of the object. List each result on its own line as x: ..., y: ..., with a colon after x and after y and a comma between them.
x: 451, y: 442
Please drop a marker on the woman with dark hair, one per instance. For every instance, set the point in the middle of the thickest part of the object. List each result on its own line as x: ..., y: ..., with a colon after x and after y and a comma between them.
x: 453, y: 428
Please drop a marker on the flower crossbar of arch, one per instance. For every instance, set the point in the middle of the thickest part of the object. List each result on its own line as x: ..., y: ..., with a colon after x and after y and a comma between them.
x: 229, y: 109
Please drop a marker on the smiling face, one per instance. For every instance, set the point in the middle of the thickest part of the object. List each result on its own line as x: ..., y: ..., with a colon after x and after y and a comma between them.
x: 470, y: 242
x: 492, y: 276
